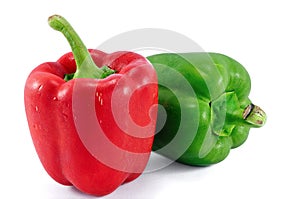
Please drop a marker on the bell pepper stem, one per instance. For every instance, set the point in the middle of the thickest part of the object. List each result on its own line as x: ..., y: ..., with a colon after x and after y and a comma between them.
x: 86, y: 67
x: 254, y: 115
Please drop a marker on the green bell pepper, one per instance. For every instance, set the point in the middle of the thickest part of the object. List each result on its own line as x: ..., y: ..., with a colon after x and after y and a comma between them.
x: 206, y: 108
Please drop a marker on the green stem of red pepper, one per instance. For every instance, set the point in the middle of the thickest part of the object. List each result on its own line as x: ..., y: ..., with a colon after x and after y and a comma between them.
x: 86, y: 68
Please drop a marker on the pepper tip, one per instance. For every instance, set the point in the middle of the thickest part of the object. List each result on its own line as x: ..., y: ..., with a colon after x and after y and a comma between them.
x: 56, y: 22
x: 255, y: 115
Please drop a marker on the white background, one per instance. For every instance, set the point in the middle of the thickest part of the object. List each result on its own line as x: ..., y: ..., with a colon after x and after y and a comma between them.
x: 262, y: 35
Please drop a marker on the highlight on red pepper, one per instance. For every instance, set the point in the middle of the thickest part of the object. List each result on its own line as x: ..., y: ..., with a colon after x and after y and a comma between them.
x: 92, y: 115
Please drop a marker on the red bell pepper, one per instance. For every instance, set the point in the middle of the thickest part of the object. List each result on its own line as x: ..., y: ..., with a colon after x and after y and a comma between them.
x: 92, y: 115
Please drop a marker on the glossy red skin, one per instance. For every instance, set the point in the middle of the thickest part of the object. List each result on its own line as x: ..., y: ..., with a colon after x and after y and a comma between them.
x: 49, y: 104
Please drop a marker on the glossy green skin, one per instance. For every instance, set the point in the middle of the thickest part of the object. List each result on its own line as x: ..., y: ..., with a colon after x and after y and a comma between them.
x: 221, y: 87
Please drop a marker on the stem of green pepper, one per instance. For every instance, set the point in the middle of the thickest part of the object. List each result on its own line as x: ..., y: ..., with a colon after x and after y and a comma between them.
x: 254, y: 115
x: 86, y: 67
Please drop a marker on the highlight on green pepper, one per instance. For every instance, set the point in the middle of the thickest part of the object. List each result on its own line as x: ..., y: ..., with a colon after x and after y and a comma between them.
x: 206, y: 99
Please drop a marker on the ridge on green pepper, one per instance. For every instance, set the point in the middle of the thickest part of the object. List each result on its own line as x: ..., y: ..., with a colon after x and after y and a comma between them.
x: 219, y: 107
